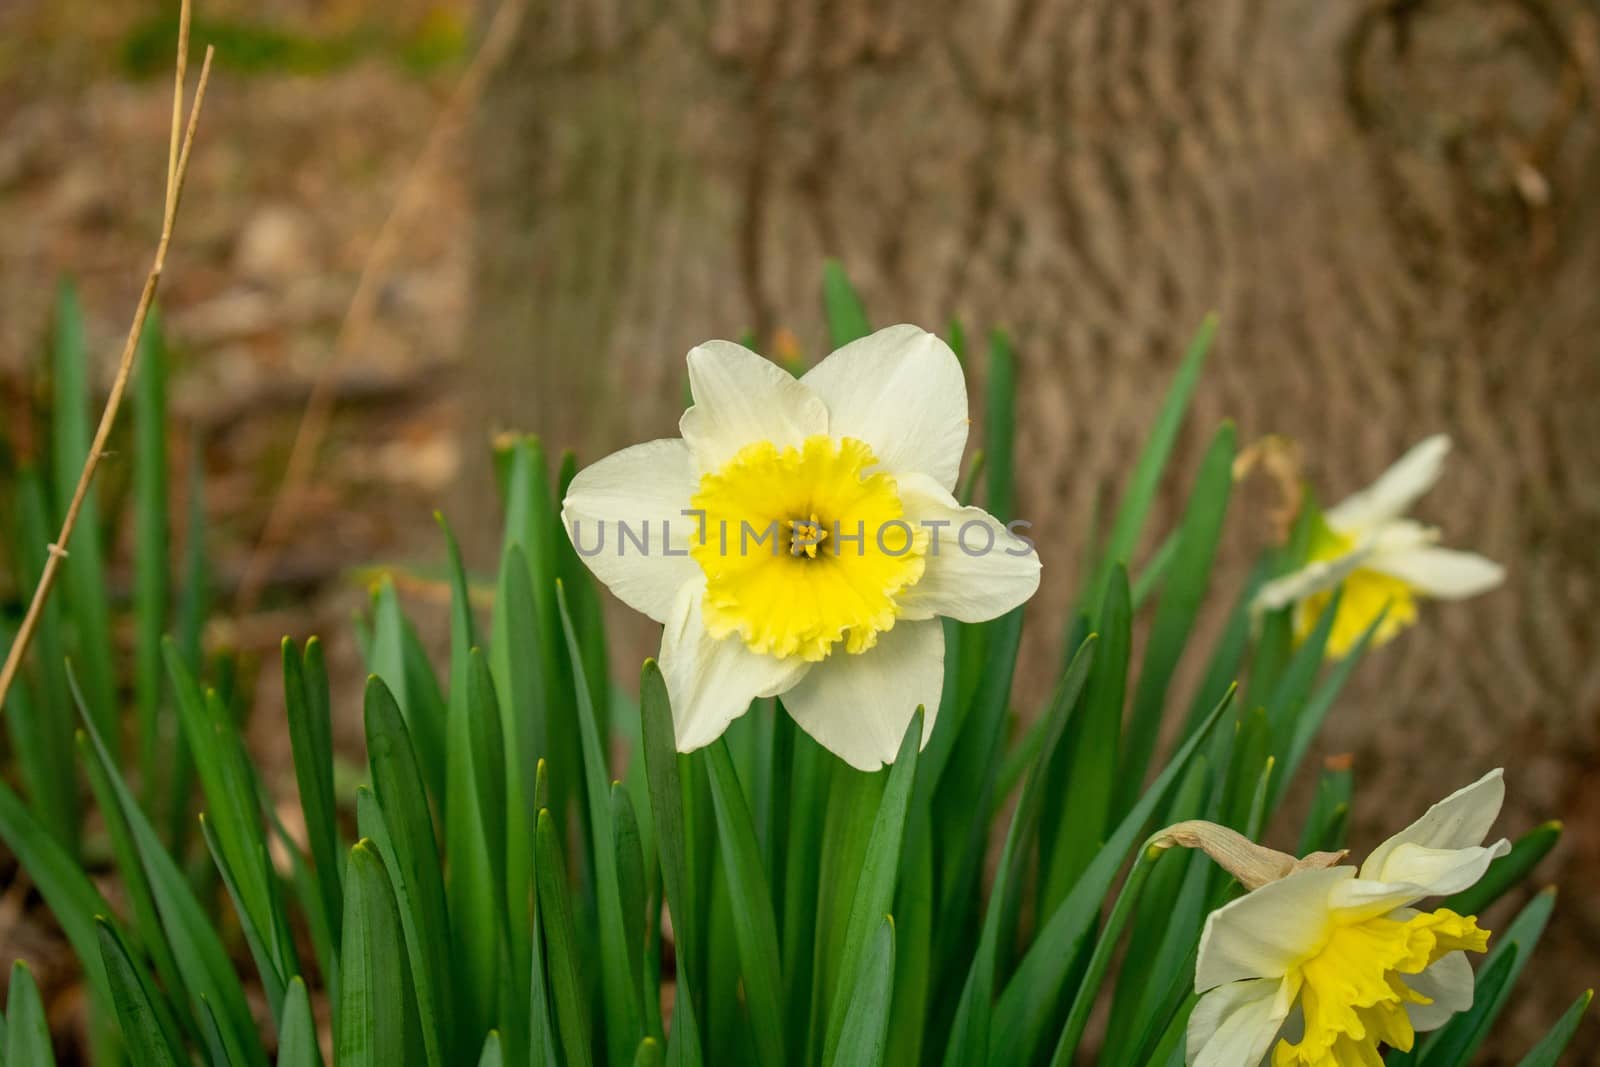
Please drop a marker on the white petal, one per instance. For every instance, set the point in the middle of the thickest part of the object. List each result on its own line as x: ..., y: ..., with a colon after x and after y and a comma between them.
x: 647, y: 487
x: 1448, y: 983
x: 1438, y: 871
x: 1441, y: 572
x: 1460, y: 820
x: 741, y: 398
x: 1268, y: 930
x: 975, y: 569
x: 901, y: 391
x: 712, y: 682
x: 1313, y: 578
x: 1234, y: 1025
x: 1395, y: 490
x: 857, y: 707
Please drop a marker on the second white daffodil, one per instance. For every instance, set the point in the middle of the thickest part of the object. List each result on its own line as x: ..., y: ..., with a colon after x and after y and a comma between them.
x: 801, y: 540
x: 1383, y: 560
x: 1322, y: 964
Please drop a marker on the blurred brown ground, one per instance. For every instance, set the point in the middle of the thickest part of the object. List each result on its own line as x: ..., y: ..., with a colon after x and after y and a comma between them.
x: 1389, y: 204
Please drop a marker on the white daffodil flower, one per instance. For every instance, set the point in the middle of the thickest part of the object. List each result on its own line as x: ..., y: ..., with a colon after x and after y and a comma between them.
x: 1330, y: 962
x: 801, y: 540
x: 1383, y: 560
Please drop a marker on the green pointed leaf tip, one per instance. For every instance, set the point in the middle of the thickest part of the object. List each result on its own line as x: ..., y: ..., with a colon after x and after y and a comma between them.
x: 846, y: 314
x: 1547, y: 1053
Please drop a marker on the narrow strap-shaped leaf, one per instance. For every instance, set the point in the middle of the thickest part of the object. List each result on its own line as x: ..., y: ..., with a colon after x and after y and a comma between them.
x: 297, y: 1037
x: 1083, y: 765
x: 1330, y: 812
x: 913, y: 956
x: 491, y: 1056
x: 1226, y: 661
x: 488, y: 753
x: 630, y: 880
x: 135, y: 885
x: 193, y: 609
x: 1309, y: 718
x: 1181, y: 596
x: 1289, y: 692
x: 666, y: 811
x: 1274, y: 632
x: 1246, y: 757
x: 202, y: 960
x: 864, y: 1035
x: 211, y: 1036
x: 621, y: 1004
x: 583, y: 601
x: 310, y: 715
x: 880, y: 869
x: 1146, y: 476
x: 802, y: 867
x: 1549, y: 1049
x: 852, y: 800
x: 1172, y: 906
x: 1179, y: 987
x: 308, y: 895
x: 132, y: 991
x: 683, y: 1045
x: 533, y: 523
x: 1169, y: 1049
x: 516, y: 661
x: 1100, y: 959
x: 754, y: 925
x: 83, y: 572
x: 151, y: 546
x: 398, y: 658
x: 541, y: 1030
x: 273, y: 981
x: 61, y: 881
x: 968, y: 787
x: 1154, y: 570
x: 555, y: 915
x: 233, y: 801
x: 474, y: 898
x: 375, y: 1021
x: 969, y: 1031
x: 411, y: 854
x: 1031, y: 997
x: 43, y: 741
x: 27, y: 1030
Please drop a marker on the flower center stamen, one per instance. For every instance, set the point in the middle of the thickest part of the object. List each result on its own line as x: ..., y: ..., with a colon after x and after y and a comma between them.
x: 787, y: 580
x: 808, y: 534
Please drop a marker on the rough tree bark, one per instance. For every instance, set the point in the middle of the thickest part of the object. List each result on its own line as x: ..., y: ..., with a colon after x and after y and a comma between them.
x: 1388, y: 203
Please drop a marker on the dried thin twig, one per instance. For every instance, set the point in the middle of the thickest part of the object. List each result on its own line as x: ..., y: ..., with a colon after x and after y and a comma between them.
x: 358, y: 319
x: 177, y: 169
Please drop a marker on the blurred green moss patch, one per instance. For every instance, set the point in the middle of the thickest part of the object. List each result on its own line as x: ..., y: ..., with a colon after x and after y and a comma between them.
x: 436, y: 40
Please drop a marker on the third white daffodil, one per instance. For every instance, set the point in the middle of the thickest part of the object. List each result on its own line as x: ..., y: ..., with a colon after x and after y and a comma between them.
x: 801, y: 540
x: 1383, y: 560
x: 1320, y: 964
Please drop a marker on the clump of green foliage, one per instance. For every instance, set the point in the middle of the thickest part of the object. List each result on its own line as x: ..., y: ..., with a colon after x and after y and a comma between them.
x: 491, y: 893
